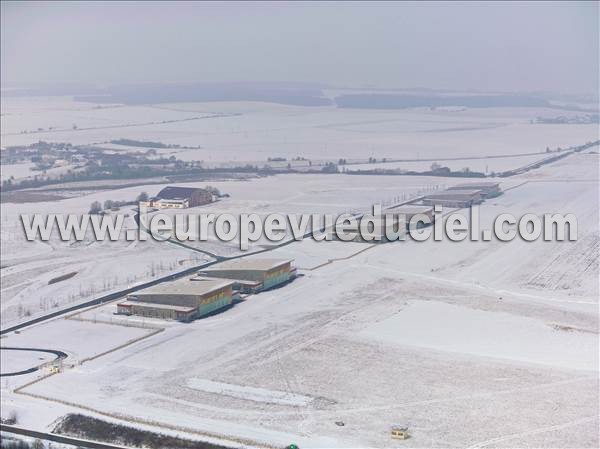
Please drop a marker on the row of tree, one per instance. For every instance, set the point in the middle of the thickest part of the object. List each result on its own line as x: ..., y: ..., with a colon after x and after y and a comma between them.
x: 97, y: 207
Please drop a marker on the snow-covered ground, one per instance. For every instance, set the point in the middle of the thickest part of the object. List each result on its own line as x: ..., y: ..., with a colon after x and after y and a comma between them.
x: 465, y: 343
x: 476, y: 165
x: 79, y: 339
x: 250, y: 393
x: 258, y: 131
x: 29, y: 267
x: 31, y: 270
x: 14, y: 361
x: 451, y: 328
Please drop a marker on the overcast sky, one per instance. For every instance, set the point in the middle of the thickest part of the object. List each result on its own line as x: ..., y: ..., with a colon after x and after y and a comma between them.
x: 504, y: 46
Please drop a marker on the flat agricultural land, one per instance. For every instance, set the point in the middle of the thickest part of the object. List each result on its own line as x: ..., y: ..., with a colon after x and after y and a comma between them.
x: 247, y: 132
x: 468, y: 344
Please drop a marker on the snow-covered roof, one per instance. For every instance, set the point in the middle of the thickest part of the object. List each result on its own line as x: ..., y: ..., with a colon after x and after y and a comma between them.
x: 249, y: 264
x: 194, y: 286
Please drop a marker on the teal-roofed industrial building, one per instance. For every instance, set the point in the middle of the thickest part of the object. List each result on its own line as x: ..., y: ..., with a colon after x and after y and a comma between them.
x: 182, y: 300
x: 251, y: 275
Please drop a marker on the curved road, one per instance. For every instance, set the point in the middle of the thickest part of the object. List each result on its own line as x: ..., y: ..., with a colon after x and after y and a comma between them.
x: 59, y: 355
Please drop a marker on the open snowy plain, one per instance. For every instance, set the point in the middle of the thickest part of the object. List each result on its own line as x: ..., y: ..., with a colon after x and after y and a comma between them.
x: 247, y: 132
x: 468, y: 344
x: 484, y: 344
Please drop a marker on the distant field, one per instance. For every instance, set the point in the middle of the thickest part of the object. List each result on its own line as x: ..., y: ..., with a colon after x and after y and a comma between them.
x: 251, y: 132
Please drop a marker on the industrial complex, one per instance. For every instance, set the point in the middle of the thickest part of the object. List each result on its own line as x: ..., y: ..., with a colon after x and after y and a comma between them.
x: 215, y: 287
x: 253, y: 275
x: 212, y: 289
x: 182, y: 300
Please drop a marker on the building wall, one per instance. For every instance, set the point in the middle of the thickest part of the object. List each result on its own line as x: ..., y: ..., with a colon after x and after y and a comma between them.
x: 123, y: 309
x: 217, y: 304
x: 275, y: 279
x: 277, y: 276
x: 170, y: 204
x: 447, y: 202
x: 200, y: 197
x: 155, y: 312
x: 214, y: 301
x: 150, y: 312
x: 196, y: 198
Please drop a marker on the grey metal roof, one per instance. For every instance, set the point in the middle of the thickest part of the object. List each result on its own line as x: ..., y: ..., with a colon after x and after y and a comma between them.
x: 248, y: 264
x: 194, y: 286
x: 177, y: 193
x: 454, y: 193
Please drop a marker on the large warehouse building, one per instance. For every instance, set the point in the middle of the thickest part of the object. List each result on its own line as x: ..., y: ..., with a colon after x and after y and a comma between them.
x: 488, y: 189
x: 375, y: 230
x: 181, y: 300
x: 173, y: 197
x: 410, y: 210
x: 453, y: 198
x: 252, y: 275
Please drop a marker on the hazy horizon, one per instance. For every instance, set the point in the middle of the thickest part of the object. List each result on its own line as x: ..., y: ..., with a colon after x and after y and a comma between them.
x: 506, y: 47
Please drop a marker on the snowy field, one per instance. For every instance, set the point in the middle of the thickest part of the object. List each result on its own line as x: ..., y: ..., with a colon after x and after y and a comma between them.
x: 246, y: 132
x: 31, y: 269
x: 450, y: 328
x: 79, y: 339
x: 482, y: 165
x: 468, y: 344
x: 39, y: 277
x: 14, y: 361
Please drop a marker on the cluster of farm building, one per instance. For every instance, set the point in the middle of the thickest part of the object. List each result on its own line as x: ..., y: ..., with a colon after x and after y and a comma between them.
x: 209, y: 290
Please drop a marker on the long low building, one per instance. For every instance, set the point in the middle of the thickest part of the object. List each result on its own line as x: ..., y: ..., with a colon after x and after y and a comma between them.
x: 173, y: 197
x: 154, y: 310
x: 374, y: 230
x: 182, y: 300
x: 252, y: 275
x: 408, y: 211
x: 453, y: 198
x: 488, y: 189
